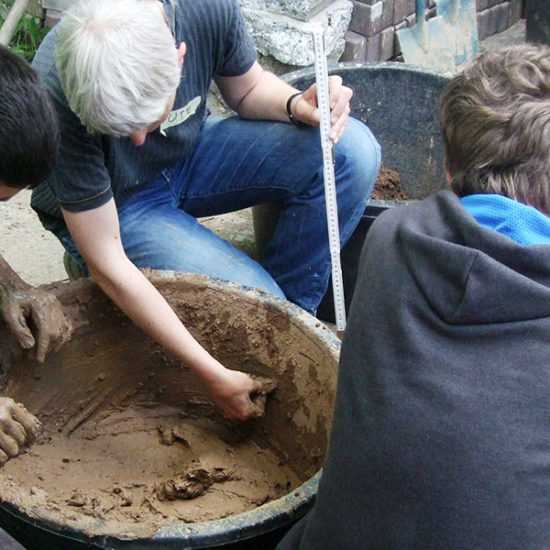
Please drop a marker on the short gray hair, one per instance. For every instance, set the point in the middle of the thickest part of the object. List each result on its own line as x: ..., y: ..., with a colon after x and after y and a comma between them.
x: 117, y: 63
x: 495, y: 123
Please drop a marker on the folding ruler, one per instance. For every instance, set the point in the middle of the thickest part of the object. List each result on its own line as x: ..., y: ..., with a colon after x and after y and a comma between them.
x: 323, y: 101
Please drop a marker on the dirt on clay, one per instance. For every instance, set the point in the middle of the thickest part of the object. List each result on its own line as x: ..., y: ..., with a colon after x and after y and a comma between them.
x: 388, y: 186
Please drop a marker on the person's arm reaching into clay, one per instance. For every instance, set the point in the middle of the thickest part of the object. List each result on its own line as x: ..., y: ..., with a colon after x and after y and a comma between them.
x: 25, y: 309
x: 96, y: 233
x: 259, y: 94
x: 18, y: 427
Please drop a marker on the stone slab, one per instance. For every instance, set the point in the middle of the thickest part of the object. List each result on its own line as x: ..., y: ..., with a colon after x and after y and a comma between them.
x: 290, y: 40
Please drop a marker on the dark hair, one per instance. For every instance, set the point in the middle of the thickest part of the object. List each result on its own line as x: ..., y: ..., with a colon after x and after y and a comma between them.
x: 495, y: 122
x: 29, y: 132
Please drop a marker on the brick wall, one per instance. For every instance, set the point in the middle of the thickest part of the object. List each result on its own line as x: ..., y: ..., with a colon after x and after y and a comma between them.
x: 371, y: 33
x: 496, y: 16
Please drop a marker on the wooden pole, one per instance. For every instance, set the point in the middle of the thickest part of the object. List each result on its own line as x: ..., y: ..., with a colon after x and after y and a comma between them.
x: 10, y: 24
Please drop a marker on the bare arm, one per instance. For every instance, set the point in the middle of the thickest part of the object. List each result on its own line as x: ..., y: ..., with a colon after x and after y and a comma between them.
x: 21, y: 304
x: 259, y: 94
x: 96, y: 233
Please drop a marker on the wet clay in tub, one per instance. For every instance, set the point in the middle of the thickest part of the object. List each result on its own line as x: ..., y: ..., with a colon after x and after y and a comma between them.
x: 131, y: 443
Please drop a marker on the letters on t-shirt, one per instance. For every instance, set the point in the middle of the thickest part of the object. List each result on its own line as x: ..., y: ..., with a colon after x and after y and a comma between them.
x: 179, y: 116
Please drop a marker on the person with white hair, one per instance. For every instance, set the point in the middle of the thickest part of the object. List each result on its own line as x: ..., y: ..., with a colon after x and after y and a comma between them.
x: 140, y: 160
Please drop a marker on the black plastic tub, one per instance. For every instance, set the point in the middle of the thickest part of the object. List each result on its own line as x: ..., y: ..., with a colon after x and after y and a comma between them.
x: 349, y: 258
x: 247, y: 533
x: 537, y: 21
x: 400, y: 103
x: 110, y: 363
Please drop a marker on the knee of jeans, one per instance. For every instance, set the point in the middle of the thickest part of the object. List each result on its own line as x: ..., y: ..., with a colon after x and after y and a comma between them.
x: 358, y: 158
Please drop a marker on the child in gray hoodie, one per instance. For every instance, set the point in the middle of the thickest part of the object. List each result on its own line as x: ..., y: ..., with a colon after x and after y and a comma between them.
x: 441, y: 434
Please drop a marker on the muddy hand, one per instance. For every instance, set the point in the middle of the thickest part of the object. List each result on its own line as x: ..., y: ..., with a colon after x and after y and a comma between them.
x: 259, y: 396
x: 234, y: 391
x: 20, y: 307
x: 18, y: 427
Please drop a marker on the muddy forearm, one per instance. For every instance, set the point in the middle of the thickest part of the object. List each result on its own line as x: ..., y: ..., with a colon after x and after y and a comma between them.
x: 34, y: 316
x: 9, y: 280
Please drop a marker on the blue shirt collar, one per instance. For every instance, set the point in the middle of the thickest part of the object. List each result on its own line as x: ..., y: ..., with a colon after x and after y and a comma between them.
x: 524, y: 224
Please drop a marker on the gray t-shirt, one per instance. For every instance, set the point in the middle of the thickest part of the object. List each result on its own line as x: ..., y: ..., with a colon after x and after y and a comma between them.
x: 94, y: 168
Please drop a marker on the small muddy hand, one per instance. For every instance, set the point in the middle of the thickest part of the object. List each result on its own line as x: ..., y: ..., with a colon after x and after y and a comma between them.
x: 33, y: 310
x: 18, y: 427
x: 259, y: 396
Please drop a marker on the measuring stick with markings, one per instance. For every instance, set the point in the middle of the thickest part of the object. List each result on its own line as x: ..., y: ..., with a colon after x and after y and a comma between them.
x: 323, y: 101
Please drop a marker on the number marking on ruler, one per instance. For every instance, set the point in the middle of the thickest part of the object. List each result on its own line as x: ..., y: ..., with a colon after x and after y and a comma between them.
x: 321, y: 77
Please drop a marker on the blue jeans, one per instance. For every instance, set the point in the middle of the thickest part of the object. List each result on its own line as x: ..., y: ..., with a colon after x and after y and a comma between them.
x: 237, y: 164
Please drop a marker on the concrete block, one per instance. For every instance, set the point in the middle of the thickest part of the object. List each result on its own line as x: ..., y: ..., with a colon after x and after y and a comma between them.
x: 356, y: 47
x: 387, y: 44
x: 400, y: 25
x: 302, y: 10
x: 290, y: 41
x: 482, y: 25
x: 389, y: 9
x: 373, y: 48
x: 501, y: 15
x: 515, y: 10
x: 487, y: 23
x: 482, y: 5
x: 402, y: 9
x: 370, y: 20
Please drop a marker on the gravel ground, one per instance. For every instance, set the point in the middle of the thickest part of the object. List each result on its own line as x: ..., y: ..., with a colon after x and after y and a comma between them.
x: 38, y: 256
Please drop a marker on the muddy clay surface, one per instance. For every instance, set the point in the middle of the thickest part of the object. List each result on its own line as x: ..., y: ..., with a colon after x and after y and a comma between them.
x: 130, y: 441
x: 135, y: 469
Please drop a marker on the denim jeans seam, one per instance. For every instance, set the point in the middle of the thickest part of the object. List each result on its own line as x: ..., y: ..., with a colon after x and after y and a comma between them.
x: 235, y: 190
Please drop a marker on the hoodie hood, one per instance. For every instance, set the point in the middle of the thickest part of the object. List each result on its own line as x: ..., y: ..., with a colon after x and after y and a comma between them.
x: 456, y: 262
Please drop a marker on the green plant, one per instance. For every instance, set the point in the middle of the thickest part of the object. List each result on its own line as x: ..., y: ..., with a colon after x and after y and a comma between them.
x: 28, y: 34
